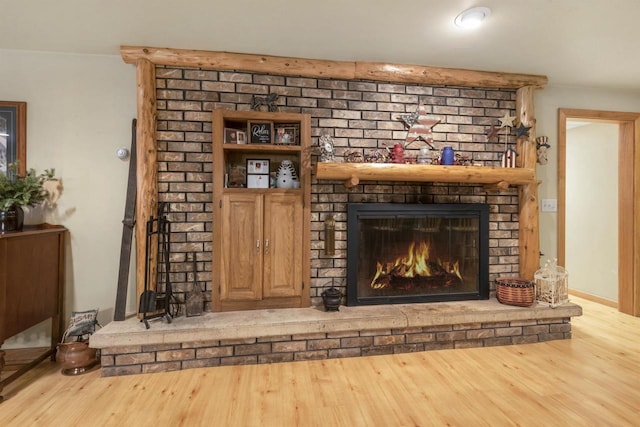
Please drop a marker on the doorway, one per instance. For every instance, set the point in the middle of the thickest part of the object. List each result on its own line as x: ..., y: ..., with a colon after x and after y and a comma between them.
x: 628, y: 134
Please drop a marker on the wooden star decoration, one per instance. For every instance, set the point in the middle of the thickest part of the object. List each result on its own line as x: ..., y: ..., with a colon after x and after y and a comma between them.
x: 421, y: 129
x: 522, y: 131
x: 492, y: 132
x: 506, y: 121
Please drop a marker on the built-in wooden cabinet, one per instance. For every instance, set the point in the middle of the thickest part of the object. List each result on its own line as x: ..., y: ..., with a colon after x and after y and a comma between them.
x: 261, y: 233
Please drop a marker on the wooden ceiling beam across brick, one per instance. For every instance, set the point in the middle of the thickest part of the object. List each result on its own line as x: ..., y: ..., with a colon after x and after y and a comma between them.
x: 318, y: 68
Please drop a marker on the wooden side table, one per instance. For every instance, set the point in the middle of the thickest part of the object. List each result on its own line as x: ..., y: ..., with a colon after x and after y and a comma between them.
x: 31, y: 286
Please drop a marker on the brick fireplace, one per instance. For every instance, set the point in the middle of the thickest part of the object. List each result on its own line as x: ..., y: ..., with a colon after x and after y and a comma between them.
x: 353, y: 104
x: 362, y: 116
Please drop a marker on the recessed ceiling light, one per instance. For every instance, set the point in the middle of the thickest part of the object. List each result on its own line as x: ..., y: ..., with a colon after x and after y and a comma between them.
x: 472, y: 18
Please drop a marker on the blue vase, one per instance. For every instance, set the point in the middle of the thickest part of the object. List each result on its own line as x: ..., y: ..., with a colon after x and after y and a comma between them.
x: 447, y: 156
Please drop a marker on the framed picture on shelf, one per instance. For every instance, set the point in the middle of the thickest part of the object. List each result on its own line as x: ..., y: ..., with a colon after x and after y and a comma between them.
x: 257, y: 181
x: 258, y: 166
x: 230, y: 136
x: 258, y: 173
x: 286, y: 134
x: 13, y: 136
x: 260, y: 132
x: 241, y: 136
x: 236, y: 177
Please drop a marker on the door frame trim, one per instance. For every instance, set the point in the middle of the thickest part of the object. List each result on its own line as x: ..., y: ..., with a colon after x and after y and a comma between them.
x: 628, y: 198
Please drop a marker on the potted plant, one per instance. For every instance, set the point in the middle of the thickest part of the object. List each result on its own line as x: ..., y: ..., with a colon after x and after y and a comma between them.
x: 18, y: 191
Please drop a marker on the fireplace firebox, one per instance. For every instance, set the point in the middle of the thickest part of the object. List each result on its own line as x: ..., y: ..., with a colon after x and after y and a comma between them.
x: 405, y: 253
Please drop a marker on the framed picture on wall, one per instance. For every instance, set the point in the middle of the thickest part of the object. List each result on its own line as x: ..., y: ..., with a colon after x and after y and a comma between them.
x: 13, y: 136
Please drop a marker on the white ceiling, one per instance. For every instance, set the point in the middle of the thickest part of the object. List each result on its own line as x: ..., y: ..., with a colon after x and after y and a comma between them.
x: 574, y: 42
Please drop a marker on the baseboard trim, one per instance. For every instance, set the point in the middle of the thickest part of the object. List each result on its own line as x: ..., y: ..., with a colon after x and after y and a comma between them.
x: 594, y: 298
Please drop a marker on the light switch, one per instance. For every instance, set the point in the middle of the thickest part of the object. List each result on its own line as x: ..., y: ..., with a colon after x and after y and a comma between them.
x: 549, y: 205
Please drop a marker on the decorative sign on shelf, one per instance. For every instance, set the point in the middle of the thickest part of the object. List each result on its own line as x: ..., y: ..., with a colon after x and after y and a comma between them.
x: 260, y: 132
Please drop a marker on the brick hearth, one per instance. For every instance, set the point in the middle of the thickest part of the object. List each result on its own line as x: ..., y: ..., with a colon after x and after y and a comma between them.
x: 283, y: 335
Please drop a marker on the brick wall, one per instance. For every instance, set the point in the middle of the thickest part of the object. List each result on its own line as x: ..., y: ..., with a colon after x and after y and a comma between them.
x: 137, y: 359
x: 361, y: 116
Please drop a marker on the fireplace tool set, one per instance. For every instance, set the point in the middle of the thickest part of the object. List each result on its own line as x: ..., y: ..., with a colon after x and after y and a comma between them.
x: 155, y: 303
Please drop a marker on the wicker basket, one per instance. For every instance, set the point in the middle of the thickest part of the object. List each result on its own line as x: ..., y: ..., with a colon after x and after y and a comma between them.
x: 515, y: 291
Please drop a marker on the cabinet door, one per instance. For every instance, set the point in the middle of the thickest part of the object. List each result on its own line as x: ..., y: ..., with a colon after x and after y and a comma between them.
x: 283, y: 245
x: 242, y: 246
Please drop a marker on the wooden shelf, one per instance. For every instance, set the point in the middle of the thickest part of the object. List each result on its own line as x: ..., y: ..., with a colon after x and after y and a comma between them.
x: 269, y: 148
x: 353, y: 173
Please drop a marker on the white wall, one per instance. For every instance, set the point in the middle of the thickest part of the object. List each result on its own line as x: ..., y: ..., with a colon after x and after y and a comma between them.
x: 592, y: 207
x: 547, y: 103
x: 79, y: 110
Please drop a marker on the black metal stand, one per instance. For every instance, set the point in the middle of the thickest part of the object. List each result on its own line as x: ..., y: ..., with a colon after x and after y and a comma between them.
x: 156, y: 304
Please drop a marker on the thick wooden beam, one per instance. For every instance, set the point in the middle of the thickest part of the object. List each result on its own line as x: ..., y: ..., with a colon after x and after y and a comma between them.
x: 317, y: 68
x: 525, y: 113
x: 419, y: 74
x: 147, y: 165
x: 240, y: 61
x: 356, y: 172
x: 529, y: 217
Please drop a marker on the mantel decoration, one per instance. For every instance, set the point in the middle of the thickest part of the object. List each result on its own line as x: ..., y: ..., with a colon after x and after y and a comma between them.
x: 18, y: 191
x: 258, y: 103
x: 508, y: 157
x: 419, y: 126
x: 327, y: 149
x: 542, y: 145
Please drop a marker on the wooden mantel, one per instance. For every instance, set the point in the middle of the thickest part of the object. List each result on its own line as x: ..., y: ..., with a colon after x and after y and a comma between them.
x: 353, y: 173
x: 145, y: 58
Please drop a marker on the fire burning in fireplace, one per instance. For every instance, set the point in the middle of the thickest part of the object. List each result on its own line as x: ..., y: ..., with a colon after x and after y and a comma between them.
x: 398, y: 253
x: 416, y: 270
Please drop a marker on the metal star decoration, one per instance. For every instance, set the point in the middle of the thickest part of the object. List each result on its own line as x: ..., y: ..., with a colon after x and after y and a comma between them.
x: 522, y: 131
x: 506, y: 121
x: 492, y: 132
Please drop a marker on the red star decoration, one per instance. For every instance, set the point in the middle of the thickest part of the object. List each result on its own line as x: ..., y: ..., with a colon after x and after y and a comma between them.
x: 492, y: 132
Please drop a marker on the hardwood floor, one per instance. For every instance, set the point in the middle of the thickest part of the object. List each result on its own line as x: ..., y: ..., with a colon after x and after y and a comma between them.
x: 591, y: 380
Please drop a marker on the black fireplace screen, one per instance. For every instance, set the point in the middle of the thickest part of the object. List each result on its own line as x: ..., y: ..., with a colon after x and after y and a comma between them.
x: 417, y: 253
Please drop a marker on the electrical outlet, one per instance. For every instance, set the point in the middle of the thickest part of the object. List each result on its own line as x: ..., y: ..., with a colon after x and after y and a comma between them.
x: 549, y: 205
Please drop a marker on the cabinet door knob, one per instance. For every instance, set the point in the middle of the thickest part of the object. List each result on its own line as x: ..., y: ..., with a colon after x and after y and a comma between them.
x: 258, y: 246
x: 266, y: 247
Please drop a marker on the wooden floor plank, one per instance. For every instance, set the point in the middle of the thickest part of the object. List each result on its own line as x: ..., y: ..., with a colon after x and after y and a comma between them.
x: 592, y: 379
